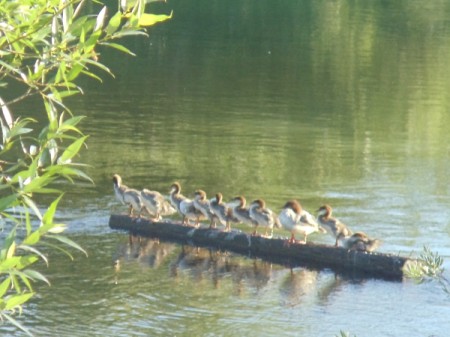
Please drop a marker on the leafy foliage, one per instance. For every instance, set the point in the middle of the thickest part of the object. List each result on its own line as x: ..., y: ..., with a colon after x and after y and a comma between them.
x: 45, y: 45
x: 429, y: 266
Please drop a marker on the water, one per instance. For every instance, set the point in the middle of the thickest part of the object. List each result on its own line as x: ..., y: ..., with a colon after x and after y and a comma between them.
x: 329, y: 102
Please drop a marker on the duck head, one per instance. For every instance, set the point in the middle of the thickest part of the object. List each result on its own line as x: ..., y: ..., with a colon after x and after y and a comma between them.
x: 325, y: 211
x: 294, y: 205
x: 117, y: 180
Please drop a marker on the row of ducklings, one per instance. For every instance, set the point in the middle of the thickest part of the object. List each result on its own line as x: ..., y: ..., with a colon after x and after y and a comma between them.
x: 292, y: 216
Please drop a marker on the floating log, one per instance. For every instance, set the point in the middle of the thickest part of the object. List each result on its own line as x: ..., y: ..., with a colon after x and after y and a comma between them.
x: 311, y: 255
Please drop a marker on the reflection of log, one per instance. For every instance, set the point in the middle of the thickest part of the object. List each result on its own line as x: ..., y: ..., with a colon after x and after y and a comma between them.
x: 310, y: 255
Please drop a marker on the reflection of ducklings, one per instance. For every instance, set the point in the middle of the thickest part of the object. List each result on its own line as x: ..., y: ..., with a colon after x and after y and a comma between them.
x: 152, y: 253
x: 116, y: 265
x: 194, y: 260
x: 298, y: 284
x: 219, y: 267
x: 256, y: 276
x: 327, y: 288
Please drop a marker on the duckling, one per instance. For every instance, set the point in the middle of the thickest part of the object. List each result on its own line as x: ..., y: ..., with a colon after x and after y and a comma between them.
x: 202, y: 205
x: 239, y: 211
x: 183, y: 205
x: 361, y: 242
x: 127, y: 196
x: 296, y: 220
x: 336, y: 228
x: 156, y: 204
x: 221, y: 212
x: 263, y: 216
x: 175, y: 196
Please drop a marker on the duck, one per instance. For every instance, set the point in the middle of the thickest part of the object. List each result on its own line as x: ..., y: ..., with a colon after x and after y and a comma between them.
x: 263, y: 216
x: 221, y: 212
x: 202, y: 204
x: 361, y: 242
x: 296, y: 220
x: 127, y: 196
x: 239, y: 211
x: 334, y: 226
x: 183, y: 205
x: 156, y: 204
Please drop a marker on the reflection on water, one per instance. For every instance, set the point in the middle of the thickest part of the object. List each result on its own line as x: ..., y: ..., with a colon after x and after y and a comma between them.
x: 298, y: 284
x: 195, y: 263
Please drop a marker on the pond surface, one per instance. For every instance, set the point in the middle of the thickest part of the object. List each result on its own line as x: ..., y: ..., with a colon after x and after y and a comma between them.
x: 338, y: 102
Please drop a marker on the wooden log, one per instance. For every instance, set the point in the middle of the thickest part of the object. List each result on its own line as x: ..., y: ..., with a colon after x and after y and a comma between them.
x: 311, y: 255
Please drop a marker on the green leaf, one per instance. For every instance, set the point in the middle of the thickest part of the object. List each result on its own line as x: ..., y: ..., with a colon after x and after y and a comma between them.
x: 10, y: 239
x: 68, y: 242
x: 118, y: 47
x: 25, y: 261
x: 38, y: 183
x: 4, y: 286
x: 31, y: 239
x: 70, y: 125
x: 25, y: 280
x: 11, y: 250
x: 128, y: 32
x: 31, y: 204
x: 7, y: 265
x: 75, y: 71
x: 8, y: 202
x: 48, y: 216
x: 146, y: 19
x: 16, y: 323
x: 73, y: 121
x: 35, y: 275
x: 27, y: 221
x: 92, y: 41
x: 17, y: 300
x: 72, y: 150
x: 114, y: 23
x: 67, y: 172
x: 25, y: 247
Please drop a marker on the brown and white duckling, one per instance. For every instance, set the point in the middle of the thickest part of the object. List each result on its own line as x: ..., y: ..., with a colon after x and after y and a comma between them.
x: 334, y: 226
x: 175, y: 196
x: 202, y: 205
x: 361, y: 242
x: 156, y: 204
x: 127, y: 196
x: 296, y: 220
x: 221, y: 212
x: 263, y: 216
x: 183, y: 205
x: 240, y: 212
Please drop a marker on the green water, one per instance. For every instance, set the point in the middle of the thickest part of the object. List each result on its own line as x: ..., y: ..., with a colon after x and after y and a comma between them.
x: 339, y: 102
